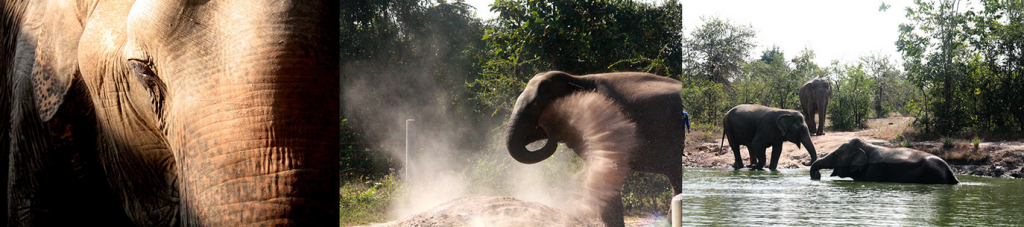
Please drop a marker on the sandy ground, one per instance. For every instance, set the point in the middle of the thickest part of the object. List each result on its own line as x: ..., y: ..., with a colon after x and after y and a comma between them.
x: 991, y: 159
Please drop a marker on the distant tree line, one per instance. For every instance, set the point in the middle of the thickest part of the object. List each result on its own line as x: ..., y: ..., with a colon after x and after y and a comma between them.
x: 961, y: 70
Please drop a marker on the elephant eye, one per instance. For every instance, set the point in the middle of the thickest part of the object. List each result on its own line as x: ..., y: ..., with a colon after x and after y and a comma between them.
x: 141, y: 69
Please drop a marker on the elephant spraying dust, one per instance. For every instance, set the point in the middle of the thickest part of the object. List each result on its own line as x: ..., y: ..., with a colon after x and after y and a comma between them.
x: 759, y: 127
x: 169, y: 113
x: 866, y: 162
x: 814, y: 97
x: 615, y: 121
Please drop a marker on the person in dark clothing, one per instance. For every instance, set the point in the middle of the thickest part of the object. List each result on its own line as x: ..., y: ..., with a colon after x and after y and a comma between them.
x: 686, y: 121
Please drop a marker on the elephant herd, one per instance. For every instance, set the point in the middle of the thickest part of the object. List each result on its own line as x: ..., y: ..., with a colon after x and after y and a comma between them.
x: 654, y: 104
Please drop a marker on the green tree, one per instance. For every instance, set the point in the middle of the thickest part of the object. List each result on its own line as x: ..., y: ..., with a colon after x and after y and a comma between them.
x: 402, y: 55
x: 967, y: 61
x: 850, y: 106
x: 716, y: 50
x: 578, y: 37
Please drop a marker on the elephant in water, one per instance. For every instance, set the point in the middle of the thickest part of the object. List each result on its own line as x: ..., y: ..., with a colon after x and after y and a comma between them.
x: 169, y: 113
x: 866, y: 162
x: 759, y: 127
x: 607, y: 119
x: 814, y: 96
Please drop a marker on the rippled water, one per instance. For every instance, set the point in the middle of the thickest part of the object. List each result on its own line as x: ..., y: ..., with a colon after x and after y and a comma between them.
x: 790, y: 198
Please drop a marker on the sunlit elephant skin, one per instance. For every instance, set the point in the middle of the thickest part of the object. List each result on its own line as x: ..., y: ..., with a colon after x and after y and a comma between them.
x: 871, y: 163
x: 169, y: 113
x: 649, y: 101
x: 759, y: 127
x: 814, y: 97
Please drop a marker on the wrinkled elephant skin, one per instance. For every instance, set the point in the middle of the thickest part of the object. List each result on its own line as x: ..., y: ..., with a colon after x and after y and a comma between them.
x: 759, y: 127
x: 170, y: 113
x: 871, y: 163
x: 814, y: 97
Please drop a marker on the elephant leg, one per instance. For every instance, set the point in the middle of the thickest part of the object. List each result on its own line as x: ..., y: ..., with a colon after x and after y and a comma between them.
x: 810, y: 118
x: 736, y: 153
x: 821, y: 117
x: 757, y: 157
x: 613, y: 214
x: 776, y: 152
x: 675, y: 176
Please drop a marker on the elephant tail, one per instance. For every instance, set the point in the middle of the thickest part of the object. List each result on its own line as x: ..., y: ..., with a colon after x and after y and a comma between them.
x: 722, y: 144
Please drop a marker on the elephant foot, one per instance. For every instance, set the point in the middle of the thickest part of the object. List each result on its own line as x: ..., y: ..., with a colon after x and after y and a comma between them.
x: 737, y: 166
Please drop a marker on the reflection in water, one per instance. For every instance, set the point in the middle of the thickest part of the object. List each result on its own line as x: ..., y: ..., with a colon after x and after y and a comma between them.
x: 790, y: 198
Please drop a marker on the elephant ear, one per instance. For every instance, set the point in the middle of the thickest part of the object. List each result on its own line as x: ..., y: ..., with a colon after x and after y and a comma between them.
x: 783, y: 122
x: 860, y: 160
x: 56, y: 60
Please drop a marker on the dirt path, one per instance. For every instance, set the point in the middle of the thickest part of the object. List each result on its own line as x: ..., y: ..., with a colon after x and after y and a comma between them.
x: 991, y: 159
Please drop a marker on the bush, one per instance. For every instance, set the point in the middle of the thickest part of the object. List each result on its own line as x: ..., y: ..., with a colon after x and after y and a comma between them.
x: 851, y: 98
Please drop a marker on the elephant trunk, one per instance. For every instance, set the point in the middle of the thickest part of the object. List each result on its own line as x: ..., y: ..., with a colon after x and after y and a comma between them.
x: 268, y: 163
x: 824, y: 163
x: 259, y: 145
x: 806, y: 141
x: 519, y: 136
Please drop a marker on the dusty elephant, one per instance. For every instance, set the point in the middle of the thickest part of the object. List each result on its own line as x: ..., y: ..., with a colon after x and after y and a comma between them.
x: 814, y: 97
x: 604, y: 118
x: 759, y: 127
x: 169, y: 113
x: 866, y: 162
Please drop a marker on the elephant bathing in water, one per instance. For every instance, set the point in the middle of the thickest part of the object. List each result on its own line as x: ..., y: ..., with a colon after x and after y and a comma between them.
x: 169, y: 112
x: 759, y: 127
x: 814, y: 96
x: 606, y: 119
x: 866, y: 162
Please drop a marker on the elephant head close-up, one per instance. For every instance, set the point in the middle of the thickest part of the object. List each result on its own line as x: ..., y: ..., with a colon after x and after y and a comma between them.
x: 168, y: 112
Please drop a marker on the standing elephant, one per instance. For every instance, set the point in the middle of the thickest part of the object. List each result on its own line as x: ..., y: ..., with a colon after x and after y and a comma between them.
x: 169, y: 113
x: 759, y: 127
x: 647, y: 107
x: 866, y: 162
x: 814, y: 96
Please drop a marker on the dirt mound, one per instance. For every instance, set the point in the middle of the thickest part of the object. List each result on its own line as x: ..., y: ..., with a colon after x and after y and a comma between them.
x: 492, y: 211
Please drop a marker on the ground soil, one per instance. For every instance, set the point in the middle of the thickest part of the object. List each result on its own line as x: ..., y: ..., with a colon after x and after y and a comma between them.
x: 989, y: 159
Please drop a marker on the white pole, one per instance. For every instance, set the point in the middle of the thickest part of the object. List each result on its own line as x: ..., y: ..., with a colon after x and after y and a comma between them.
x: 408, y: 129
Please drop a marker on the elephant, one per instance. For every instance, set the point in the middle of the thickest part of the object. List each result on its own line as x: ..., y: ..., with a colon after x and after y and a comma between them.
x: 169, y: 113
x: 647, y: 107
x: 814, y: 96
x: 759, y: 127
x: 862, y: 161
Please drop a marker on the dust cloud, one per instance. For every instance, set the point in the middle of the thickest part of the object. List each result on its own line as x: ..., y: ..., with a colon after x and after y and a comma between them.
x: 455, y: 154
x: 595, y: 128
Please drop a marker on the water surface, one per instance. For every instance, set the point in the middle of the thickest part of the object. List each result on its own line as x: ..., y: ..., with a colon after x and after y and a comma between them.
x: 790, y: 198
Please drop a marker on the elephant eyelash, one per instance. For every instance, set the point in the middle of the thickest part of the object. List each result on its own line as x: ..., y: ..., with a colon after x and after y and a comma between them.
x: 141, y: 68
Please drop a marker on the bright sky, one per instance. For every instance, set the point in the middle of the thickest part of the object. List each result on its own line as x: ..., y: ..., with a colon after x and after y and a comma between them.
x: 835, y: 30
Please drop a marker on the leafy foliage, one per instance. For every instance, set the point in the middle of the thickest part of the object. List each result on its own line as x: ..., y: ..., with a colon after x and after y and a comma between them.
x: 852, y: 93
x: 578, y: 37
x: 717, y: 49
x: 968, y: 62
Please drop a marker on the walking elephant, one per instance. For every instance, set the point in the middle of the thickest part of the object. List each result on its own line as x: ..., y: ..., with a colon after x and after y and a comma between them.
x: 169, y: 113
x: 759, y: 127
x: 866, y: 162
x: 814, y: 96
x: 604, y: 118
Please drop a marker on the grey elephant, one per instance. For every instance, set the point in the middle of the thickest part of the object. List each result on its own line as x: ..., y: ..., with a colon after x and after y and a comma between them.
x: 867, y: 162
x: 759, y: 127
x: 169, y: 113
x: 814, y: 97
x: 649, y: 105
